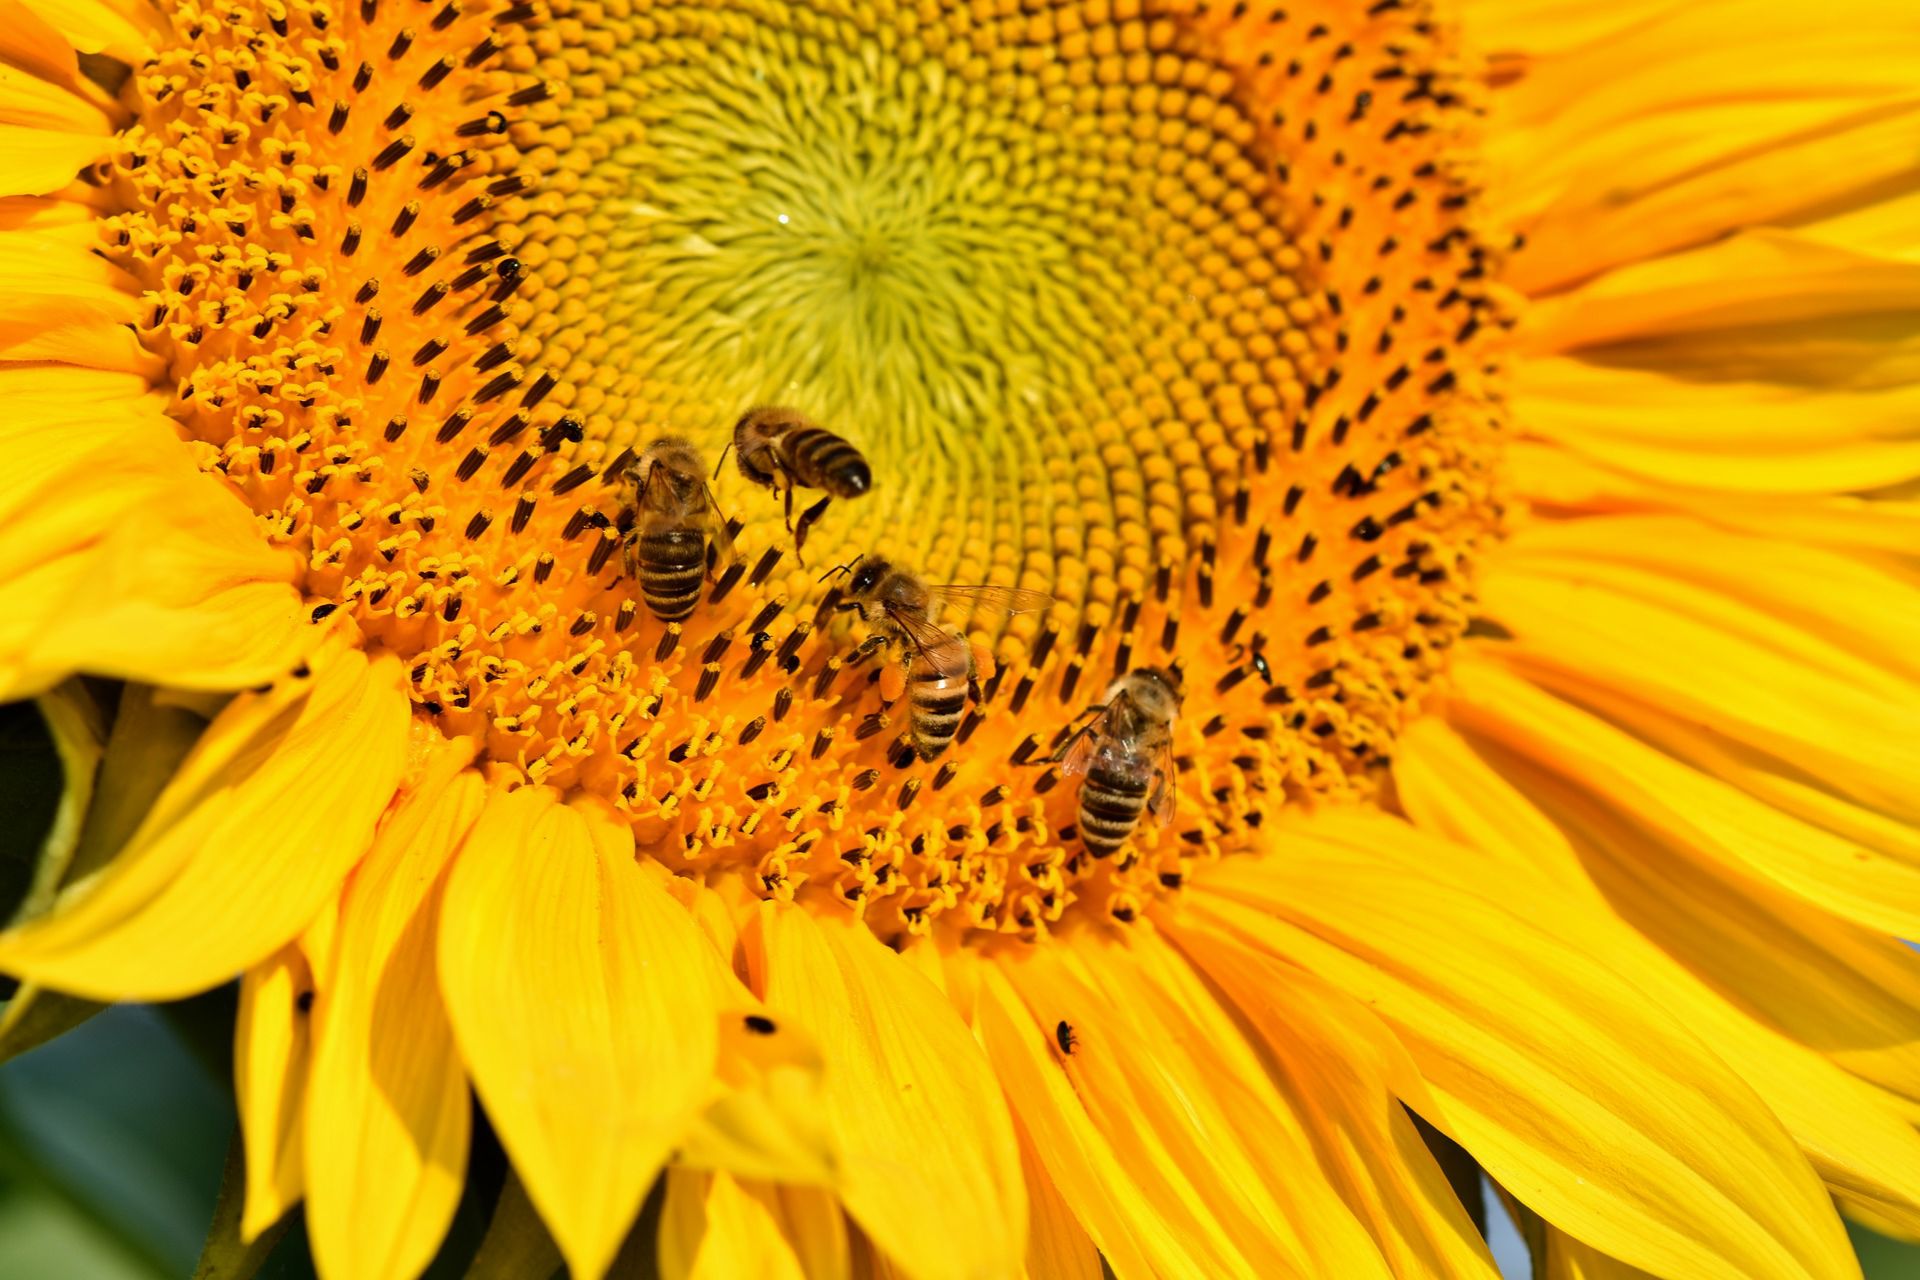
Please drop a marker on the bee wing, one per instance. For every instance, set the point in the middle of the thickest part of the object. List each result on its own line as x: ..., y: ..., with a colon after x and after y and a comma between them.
x: 714, y: 524
x: 933, y: 645
x: 1077, y: 753
x: 1164, y: 801
x: 991, y: 599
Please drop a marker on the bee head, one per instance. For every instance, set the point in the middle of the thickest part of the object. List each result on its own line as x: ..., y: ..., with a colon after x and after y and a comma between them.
x: 1166, y: 679
x: 868, y: 575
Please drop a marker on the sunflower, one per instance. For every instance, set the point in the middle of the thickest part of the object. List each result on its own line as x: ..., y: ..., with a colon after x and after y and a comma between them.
x: 1496, y: 418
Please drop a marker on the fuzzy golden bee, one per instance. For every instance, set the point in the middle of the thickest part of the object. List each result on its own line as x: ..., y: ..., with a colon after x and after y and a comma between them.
x: 1125, y: 751
x: 678, y: 533
x: 941, y: 668
x: 781, y: 450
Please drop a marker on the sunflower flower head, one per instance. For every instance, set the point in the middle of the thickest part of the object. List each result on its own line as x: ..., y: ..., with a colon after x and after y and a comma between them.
x: 425, y: 292
x: 1298, y: 367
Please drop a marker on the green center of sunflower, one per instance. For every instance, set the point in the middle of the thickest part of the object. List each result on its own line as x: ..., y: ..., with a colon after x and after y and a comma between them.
x: 1032, y: 262
x: 1178, y: 315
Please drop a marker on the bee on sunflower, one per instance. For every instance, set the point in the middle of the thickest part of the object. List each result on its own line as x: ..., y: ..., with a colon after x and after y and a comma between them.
x: 1435, y: 479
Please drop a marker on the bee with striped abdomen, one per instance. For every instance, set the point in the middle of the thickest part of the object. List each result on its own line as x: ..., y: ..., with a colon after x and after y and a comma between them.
x: 941, y: 666
x: 1126, y: 753
x: 781, y: 450
x: 675, y: 524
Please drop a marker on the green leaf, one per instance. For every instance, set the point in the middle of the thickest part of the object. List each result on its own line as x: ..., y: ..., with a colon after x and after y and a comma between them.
x: 35, y: 1015
x: 225, y: 1256
x: 43, y: 1233
x: 1884, y: 1259
x: 517, y: 1246
x: 639, y: 1256
x: 115, y: 1132
x: 150, y: 737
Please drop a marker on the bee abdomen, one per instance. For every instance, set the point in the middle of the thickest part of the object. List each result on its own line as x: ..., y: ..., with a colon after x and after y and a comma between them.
x: 672, y: 564
x: 823, y: 460
x: 937, y: 706
x: 1110, y: 807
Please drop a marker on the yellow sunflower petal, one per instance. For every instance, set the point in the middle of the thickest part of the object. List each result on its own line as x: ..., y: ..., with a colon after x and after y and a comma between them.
x: 271, y: 1050
x: 917, y: 1113
x: 768, y: 1121
x: 1712, y: 658
x: 1852, y: 992
x: 1058, y: 1247
x: 1748, y: 437
x: 54, y: 216
x: 1687, y: 926
x: 1873, y: 887
x: 1568, y: 1259
x: 1154, y: 1055
x: 1552, y: 1065
x: 66, y: 422
x: 585, y: 1002
x: 1625, y: 132
x: 1173, y: 1005
x: 30, y: 102
x: 1764, y: 276
x: 1135, y: 1204
x: 1340, y: 1069
x: 387, y: 1088
x: 1445, y: 788
x: 1870, y: 612
x: 31, y: 43
x: 38, y: 161
x: 256, y: 831
x: 125, y: 560
x: 712, y: 1228
x: 123, y: 29
x: 1565, y: 481
x: 67, y: 306
x: 817, y: 1229
x: 1536, y: 29
x: 46, y: 388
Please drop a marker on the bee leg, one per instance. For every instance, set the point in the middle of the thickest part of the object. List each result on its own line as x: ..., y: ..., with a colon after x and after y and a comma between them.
x: 1068, y: 734
x: 1060, y: 752
x: 984, y: 665
x: 807, y: 518
x: 866, y: 649
x: 893, y: 683
x: 630, y: 553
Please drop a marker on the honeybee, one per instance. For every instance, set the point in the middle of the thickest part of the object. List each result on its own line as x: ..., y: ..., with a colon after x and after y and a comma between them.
x: 780, y: 450
x: 941, y: 667
x: 1126, y: 752
x: 676, y: 522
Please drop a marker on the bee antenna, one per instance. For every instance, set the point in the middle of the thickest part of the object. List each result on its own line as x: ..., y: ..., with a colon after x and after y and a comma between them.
x: 723, y: 460
x: 840, y: 569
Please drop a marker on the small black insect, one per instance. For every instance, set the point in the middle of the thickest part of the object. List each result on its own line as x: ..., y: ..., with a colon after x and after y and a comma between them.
x: 1256, y: 659
x: 1064, y: 1034
x: 759, y: 1025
